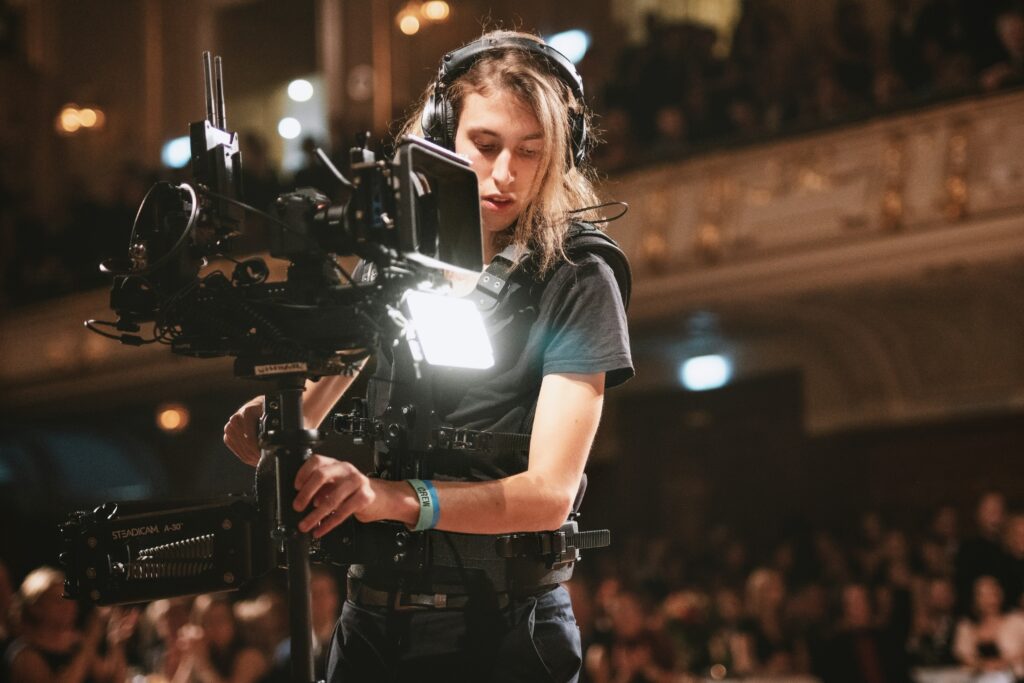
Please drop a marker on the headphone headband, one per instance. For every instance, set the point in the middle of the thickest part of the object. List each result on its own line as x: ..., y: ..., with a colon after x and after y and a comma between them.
x: 438, y: 121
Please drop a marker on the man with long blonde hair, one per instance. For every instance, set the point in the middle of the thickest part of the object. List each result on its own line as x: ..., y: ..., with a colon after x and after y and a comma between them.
x: 514, y: 107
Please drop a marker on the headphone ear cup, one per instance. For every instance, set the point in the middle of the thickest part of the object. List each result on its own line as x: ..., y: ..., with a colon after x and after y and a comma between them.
x: 448, y: 122
x: 437, y: 121
x: 432, y: 130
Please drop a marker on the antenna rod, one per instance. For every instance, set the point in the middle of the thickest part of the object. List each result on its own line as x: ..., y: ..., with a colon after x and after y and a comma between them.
x: 222, y: 120
x: 211, y: 112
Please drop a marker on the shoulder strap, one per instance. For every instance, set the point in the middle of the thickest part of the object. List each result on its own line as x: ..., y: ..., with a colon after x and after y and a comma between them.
x: 496, y: 280
x: 584, y: 238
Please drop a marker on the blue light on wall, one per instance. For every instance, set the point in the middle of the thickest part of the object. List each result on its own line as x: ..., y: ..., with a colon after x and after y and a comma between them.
x: 176, y: 153
x: 702, y: 373
x: 573, y: 44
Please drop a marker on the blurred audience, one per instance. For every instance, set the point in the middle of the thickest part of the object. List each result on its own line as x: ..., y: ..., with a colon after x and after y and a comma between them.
x: 878, y: 605
x: 677, y: 94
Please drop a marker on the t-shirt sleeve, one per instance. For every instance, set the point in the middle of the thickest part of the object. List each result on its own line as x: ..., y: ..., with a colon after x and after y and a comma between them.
x: 584, y: 322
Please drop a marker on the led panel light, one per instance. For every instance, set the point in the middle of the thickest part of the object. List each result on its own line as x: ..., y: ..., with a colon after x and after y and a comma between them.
x: 449, y: 331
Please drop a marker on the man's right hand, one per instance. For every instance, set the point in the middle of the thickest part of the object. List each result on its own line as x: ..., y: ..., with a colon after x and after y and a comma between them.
x: 241, y: 433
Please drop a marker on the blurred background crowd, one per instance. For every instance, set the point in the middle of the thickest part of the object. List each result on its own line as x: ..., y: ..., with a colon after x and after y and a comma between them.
x: 666, y: 97
x: 872, y: 602
x: 673, y: 93
x: 914, y: 377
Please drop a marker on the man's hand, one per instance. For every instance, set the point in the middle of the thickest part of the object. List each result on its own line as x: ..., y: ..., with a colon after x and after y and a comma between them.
x: 241, y: 433
x: 337, y: 490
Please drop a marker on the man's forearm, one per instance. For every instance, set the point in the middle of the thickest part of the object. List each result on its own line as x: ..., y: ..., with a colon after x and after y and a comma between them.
x: 521, y: 502
x: 321, y: 396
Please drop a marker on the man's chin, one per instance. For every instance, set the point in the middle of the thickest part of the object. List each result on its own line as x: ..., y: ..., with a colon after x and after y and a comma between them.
x: 497, y: 229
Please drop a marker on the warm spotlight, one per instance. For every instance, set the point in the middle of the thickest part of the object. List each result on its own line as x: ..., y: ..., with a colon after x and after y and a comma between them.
x: 87, y: 117
x: 435, y: 10
x: 69, y: 120
x: 172, y: 417
x: 408, y: 24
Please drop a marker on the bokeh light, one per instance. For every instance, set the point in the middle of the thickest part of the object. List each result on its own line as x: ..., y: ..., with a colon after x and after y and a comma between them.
x: 300, y: 90
x: 176, y: 152
x: 408, y: 24
x: 435, y: 10
x: 573, y: 44
x: 68, y: 119
x: 87, y: 117
x: 172, y: 418
x: 289, y: 128
x: 702, y: 373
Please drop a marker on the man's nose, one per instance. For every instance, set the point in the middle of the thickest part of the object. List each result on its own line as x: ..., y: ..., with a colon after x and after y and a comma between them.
x: 502, y: 171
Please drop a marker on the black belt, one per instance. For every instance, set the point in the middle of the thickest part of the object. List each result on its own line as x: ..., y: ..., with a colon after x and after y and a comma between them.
x: 398, y: 600
x: 512, y: 562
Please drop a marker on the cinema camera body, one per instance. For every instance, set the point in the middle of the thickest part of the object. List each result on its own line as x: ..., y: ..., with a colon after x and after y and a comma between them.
x: 414, y: 217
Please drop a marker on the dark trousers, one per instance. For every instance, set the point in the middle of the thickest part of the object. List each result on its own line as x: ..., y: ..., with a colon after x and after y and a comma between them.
x: 534, y: 639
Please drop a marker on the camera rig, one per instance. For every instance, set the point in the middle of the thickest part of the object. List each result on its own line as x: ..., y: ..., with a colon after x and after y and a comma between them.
x: 415, y: 218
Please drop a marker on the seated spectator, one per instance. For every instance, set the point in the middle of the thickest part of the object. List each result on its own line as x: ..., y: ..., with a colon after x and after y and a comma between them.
x: 982, y: 554
x: 774, y: 647
x: 1014, y: 543
x: 869, y: 551
x: 862, y: 649
x: 1010, y: 28
x: 162, y: 621
x: 263, y: 620
x: 939, y: 31
x: 212, y: 651
x: 991, y: 639
x: 904, y: 51
x: 50, y: 647
x: 851, y: 49
x: 937, y: 551
x: 728, y: 644
x: 931, y: 640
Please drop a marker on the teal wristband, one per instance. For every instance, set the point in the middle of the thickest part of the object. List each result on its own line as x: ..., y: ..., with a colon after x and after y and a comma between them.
x: 430, y: 510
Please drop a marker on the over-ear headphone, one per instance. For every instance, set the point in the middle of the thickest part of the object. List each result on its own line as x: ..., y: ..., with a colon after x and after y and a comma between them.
x: 439, y: 121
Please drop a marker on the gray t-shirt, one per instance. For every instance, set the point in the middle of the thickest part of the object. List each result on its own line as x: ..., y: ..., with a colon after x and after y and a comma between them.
x: 573, y: 322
